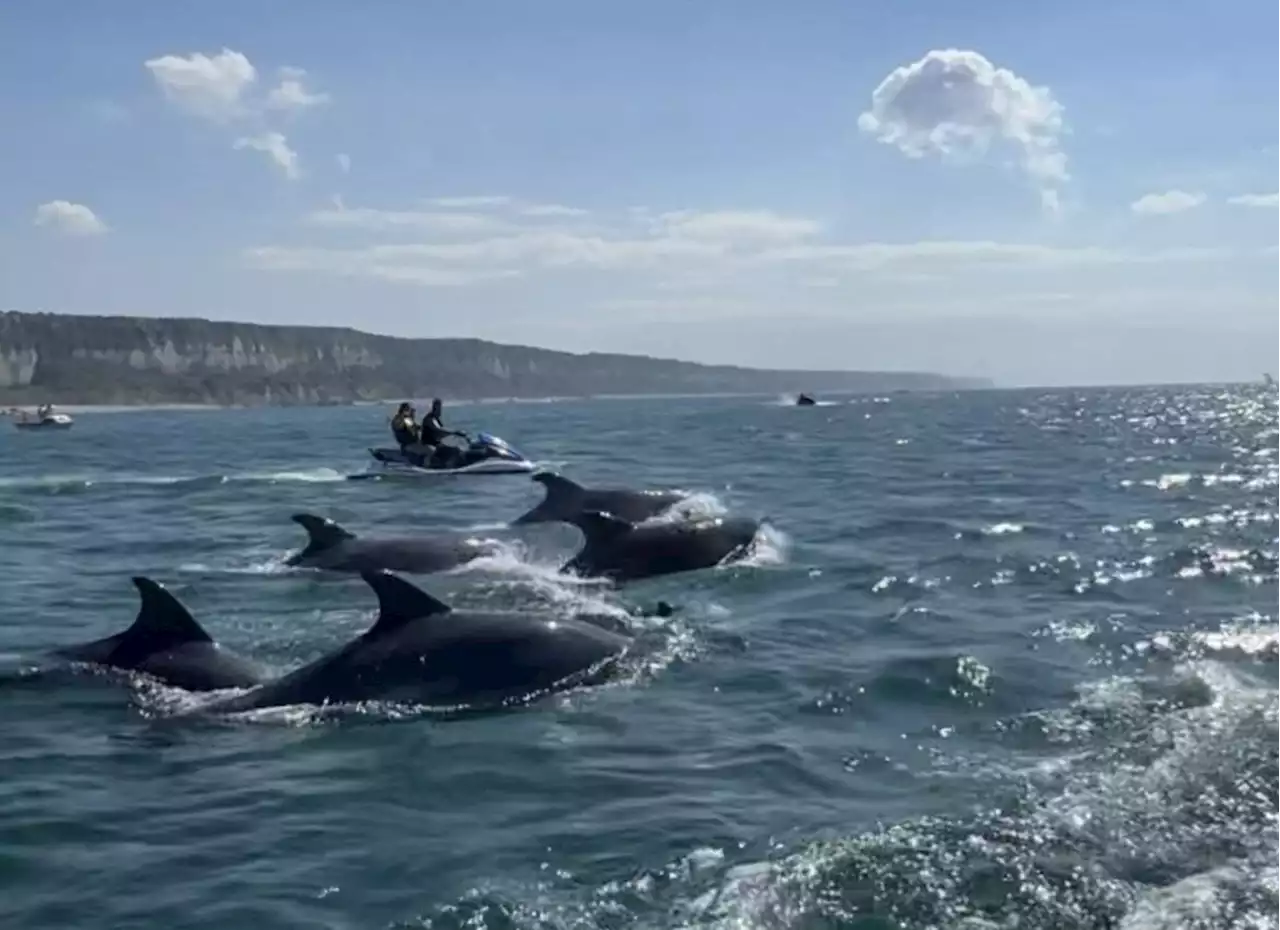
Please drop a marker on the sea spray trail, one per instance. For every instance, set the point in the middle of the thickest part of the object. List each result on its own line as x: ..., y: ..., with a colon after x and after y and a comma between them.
x: 1014, y: 658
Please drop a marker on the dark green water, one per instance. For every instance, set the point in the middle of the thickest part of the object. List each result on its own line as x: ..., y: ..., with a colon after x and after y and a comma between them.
x: 1010, y: 660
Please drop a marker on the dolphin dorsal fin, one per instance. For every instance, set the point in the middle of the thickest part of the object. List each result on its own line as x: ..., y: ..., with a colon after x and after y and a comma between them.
x: 162, y: 619
x: 557, y: 484
x: 599, y: 527
x: 399, y: 602
x: 324, y: 532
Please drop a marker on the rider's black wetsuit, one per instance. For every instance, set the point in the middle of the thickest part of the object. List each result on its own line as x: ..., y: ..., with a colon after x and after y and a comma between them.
x: 433, y: 433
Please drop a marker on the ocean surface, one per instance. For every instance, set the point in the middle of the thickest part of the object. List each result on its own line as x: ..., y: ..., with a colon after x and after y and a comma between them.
x: 1005, y: 659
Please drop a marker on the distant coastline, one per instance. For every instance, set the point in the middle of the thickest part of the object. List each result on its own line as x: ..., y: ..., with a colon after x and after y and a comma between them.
x: 101, y: 362
x: 141, y: 407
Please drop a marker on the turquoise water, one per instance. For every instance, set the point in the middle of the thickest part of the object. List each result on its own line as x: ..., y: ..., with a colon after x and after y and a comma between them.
x: 1007, y: 659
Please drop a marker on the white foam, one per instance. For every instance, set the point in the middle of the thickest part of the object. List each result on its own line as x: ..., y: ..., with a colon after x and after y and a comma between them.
x: 697, y: 505
x: 304, y: 475
x: 771, y: 546
x: 259, y: 564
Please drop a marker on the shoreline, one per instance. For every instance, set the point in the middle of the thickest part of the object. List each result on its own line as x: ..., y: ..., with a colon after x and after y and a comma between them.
x: 74, y: 409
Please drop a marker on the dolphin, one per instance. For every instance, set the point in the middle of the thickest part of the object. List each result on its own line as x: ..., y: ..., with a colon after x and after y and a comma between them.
x: 339, y: 550
x: 622, y: 551
x: 565, y: 499
x: 167, y: 643
x: 421, y: 650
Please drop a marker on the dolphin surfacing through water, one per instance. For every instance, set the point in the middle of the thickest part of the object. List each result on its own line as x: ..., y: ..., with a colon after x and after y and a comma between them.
x: 566, y: 499
x: 421, y: 650
x: 334, y: 548
x: 167, y: 643
x: 623, y: 551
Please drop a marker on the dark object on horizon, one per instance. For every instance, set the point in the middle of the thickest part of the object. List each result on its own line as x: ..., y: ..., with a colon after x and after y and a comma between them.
x: 805, y: 400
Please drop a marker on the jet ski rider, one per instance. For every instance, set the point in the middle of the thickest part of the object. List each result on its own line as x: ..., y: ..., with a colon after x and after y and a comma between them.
x: 432, y: 434
x: 404, y: 427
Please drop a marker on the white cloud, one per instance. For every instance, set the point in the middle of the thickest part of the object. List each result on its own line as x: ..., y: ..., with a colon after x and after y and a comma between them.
x: 221, y: 87
x: 552, y: 249
x: 552, y: 209
x: 274, y: 146
x: 365, y: 263
x: 957, y: 103
x: 344, y: 162
x: 483, y: 200
x: 425, y: 220
x: 290, y: 94
x: 511, y: 205
x: 973, y: 255
x: 738, y: 226
x: 1255, y: 200
x: 1167, y: 202
x: 72, y: 219
x: 491, y: 214
x: 211, y: 87
x: 676, y: 251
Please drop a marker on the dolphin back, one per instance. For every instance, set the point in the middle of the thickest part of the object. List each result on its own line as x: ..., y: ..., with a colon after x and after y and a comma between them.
x: 565, y: 500
x: 166, y: 642
x: 420, y: 649
x: 562, y: 500
x: 323, y: 534
x: 660, y: 549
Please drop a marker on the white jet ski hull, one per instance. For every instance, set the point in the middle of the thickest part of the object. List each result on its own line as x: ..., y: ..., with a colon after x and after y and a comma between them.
x: 488, y: 467
x: 55, y: 422
x: 498, y: 458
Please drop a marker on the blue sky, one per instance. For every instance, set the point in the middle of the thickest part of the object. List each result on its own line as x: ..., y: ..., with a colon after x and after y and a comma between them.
x: 1039, y: 194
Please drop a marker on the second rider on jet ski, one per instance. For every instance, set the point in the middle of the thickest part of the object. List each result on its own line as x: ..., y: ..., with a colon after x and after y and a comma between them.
x: 431, y: 435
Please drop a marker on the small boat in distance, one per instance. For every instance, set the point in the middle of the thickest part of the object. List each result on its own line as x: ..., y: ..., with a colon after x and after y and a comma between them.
x: 806, y: 400
x: 44, y: 418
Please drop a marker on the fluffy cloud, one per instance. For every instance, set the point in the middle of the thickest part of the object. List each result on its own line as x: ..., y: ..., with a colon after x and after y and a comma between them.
x: 222, y: 87
x: 276, y: 148
x: 675, y: 251
x: 957, y: 103
x: 1255, y: 200
x: 211, y: 87
x: 72, y: 219
x: 1167, y: 202
x: 290, y: 94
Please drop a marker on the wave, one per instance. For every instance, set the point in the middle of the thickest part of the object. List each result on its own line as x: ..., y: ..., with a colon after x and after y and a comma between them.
x: 62, y: 484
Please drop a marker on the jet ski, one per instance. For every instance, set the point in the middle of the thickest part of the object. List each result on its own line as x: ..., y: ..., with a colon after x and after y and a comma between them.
x: 485, y: 454
x: 45, y: 418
